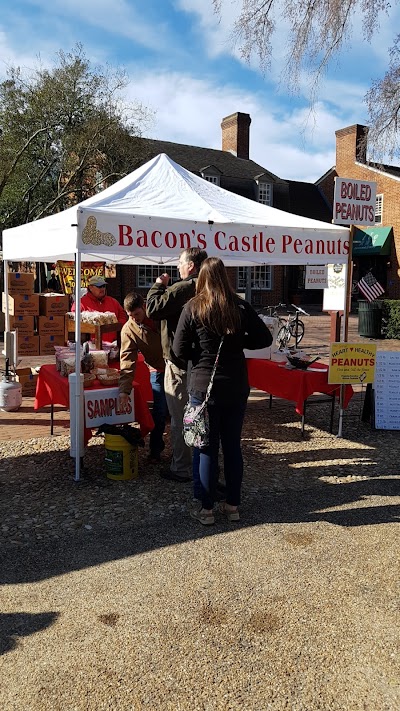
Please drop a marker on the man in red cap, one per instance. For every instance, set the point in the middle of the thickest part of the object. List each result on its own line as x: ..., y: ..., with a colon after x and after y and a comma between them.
x: 96, y: 299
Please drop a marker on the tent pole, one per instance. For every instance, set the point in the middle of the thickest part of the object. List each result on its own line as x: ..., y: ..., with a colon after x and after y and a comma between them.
x: 77, y: 403
x: 345, y: 332
x: 7, y: 312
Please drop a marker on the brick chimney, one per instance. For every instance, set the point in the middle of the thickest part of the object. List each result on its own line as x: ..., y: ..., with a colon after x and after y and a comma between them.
x: 236, y: 134
x: 351, y: 146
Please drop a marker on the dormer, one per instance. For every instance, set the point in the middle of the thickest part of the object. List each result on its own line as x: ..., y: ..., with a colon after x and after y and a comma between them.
x: 264, y: 188
x: 211, y: 173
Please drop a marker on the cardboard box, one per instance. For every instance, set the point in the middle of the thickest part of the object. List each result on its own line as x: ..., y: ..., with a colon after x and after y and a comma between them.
x: 21, y: 304
x: 47, y: 343
x: 23, y: 373
x: 24, y: 324
x: 53, y: 304
x: 51, y: 325
x: 28, y: 345
x: 29, y: 387
x: 28, y: 381
x: 21, y: 283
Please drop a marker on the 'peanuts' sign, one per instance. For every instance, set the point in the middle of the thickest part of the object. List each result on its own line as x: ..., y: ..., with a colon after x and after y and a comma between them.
x: 354, y: 202
x: 102, y: 406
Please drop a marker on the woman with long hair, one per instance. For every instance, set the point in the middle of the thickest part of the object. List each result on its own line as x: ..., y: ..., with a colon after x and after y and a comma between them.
x: 216, y: 318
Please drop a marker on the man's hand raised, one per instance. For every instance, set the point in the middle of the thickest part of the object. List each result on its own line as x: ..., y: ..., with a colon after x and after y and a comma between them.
x: 163, y: 279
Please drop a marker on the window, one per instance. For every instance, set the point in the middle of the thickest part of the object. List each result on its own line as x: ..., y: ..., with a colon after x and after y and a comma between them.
x: 261, y: 277
x: 212, y: 179
x: 378, y: 209
x: 146, y: 275
x: 265, y: 193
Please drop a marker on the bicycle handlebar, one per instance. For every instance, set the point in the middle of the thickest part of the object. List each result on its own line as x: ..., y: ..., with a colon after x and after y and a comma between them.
x: 298, y: 308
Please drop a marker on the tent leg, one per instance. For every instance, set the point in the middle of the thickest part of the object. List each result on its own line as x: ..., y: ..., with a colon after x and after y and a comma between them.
x: 78, y: 394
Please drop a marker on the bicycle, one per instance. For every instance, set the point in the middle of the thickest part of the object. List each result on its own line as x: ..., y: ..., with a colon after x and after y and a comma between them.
x: 288, y: 328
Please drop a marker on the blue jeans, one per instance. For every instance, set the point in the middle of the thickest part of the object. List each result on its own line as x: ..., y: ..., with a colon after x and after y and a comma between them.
x: 226, y: 426
x: 159, y: 412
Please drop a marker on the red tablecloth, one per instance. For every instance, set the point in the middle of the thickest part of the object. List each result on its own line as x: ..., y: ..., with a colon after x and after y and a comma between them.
x: 142, y: 376
x: 294, y: 385
x: 53, y: 389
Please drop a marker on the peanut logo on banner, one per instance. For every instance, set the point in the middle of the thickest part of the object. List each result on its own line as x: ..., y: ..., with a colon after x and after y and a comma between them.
x: 352, y: 363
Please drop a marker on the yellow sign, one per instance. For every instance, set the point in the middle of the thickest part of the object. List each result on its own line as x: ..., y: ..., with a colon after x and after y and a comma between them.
x: 351, y: 363
x: 66, y: 273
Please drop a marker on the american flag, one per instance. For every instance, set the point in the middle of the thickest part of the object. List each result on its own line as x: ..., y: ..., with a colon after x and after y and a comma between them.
x: 370, y: 287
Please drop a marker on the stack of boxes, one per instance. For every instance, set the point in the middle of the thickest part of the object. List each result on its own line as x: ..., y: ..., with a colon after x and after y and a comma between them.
x: 52, y: 310
x: 23, y: 307
x: 39, y: 318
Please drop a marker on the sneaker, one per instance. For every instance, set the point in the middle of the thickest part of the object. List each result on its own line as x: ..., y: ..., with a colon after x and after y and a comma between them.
x: 171, y: 476
x: 205, y: 517
x: 230, y: 515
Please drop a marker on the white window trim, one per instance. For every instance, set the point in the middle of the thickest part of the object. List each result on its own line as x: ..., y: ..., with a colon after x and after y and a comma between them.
x: 264, y: 187
x: 214, y: 179
x: 151, y: 274
x: 379, y: 209
x: 267, y: 279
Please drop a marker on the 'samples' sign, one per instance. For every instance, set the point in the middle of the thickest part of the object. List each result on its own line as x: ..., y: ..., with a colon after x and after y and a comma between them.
x: 352, y: 363
x: 102, y: 406
x: 354, y: 202
x: 316, y: 277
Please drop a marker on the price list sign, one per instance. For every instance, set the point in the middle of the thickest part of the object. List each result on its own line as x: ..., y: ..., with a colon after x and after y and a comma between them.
x: 387, y: 390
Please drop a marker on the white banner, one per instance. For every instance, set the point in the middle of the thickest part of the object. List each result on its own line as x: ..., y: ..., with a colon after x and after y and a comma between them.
x: 163, y: 240
x: 102, y: 406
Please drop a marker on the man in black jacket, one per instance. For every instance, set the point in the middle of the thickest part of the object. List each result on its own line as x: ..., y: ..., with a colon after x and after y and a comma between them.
x: 165, y: 303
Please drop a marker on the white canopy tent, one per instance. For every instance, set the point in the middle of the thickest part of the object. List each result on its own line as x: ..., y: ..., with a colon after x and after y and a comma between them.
x: 154, y: 213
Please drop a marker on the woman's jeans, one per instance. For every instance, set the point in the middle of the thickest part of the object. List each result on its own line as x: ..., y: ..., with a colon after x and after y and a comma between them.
x: 159, y: 412
x: 226, y: 423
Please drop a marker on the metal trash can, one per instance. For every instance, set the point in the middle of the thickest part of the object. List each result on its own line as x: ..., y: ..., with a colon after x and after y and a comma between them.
x: 370, y: 319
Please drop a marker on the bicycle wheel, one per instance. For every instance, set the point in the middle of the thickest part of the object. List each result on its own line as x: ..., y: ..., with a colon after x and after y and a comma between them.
x: 297, y: 328
x: 283, y: 337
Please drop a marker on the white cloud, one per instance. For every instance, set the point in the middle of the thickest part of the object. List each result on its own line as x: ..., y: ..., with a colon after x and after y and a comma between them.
x: 190, y: 111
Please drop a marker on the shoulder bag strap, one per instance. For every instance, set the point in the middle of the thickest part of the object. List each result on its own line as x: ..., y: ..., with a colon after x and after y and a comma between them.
x: 208, y: 393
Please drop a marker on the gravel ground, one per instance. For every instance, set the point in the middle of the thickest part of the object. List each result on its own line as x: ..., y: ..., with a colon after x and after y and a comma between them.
x: 112, y: 598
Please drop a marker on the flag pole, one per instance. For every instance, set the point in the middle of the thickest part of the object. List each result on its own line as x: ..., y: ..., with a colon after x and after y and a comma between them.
x: 345, y: 332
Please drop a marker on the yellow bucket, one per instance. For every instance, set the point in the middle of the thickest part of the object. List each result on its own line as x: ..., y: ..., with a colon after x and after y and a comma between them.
x: 121, y: 458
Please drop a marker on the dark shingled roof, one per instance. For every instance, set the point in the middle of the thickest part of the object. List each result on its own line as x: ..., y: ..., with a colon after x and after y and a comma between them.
x: 195, y: 159
x: 307, y: 200
x: 391, y: 169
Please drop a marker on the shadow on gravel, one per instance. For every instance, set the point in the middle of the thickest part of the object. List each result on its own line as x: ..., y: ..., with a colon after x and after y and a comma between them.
x: 21, y: 624
x: 64, y: 526
x: 83, y: 548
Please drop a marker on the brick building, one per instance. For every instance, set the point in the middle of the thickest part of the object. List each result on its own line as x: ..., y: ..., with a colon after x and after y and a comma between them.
x: 232, y: 169
x: 375, y: 248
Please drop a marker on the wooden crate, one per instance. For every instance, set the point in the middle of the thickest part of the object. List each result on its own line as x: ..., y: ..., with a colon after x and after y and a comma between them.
x: 90, y: 328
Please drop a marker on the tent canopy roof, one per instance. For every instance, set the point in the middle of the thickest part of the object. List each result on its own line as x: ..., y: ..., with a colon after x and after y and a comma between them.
x: 153, y: 213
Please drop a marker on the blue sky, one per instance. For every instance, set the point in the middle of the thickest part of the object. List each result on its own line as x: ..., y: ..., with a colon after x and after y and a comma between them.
x: 182, y: 66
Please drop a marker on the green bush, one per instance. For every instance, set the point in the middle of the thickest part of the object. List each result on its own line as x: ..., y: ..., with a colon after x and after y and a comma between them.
x: 391, y: 318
